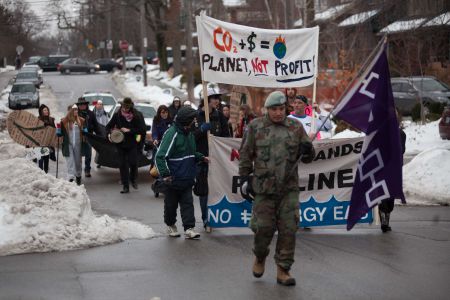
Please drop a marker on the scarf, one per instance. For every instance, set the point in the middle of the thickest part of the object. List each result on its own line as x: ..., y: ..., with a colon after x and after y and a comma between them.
x: 127, y: 115
x: 101, y: 116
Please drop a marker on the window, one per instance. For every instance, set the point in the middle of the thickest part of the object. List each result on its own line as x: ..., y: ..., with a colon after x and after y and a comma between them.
x: 23, y: 88
x: 396, y: 86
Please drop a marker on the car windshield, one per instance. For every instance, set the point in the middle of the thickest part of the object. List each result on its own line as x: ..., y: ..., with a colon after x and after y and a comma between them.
x: 26, y: 75
x: 430, y: 85
x: 23, y: 88
x: 107, y: 100
x: 147, y: 111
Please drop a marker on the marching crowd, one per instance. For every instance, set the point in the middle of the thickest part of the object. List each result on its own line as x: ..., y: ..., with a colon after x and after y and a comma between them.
x: 272, y: 145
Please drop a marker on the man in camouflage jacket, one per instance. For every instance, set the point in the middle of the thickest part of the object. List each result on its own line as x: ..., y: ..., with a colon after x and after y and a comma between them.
x: 270, y: 150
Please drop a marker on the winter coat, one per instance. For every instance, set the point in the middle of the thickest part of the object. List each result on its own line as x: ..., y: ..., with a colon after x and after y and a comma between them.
x: 219, y: 127
x: 159, y: 128
x: 243, y: 125
x: 65, y: 135
x: 135, y: 125
x: 102, y: 120
x: 173, y: 111
x: 177, y: 157
x: 90, y: 119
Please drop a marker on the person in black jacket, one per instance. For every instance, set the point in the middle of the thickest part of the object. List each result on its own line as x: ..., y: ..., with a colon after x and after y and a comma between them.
x: 127, y: 120
x: 174, y: 107
x: 92, y: 126
x: 218, y: 126
x: 44, y: 116
x: 387, y: 206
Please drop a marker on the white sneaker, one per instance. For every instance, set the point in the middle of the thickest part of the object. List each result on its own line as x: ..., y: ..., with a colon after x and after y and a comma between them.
x: 173, y: 231
x: 191, y: 234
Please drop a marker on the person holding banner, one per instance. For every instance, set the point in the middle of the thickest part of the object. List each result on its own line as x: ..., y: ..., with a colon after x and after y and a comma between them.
x: 299, y: 104
x: 218, y: 126
x: 270, y: 150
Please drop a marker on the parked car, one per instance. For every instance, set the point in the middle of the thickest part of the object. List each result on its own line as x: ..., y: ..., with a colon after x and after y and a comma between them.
x: 108, y: 64
x: 23, y: 95
x: 28, y: 76
x: 444, y: 124
x: 149, y: 112
x: 408, y: 91
x: 33, y: 60
x: 132, y: 62
x: 33, y: 68
x: 77, y: 65
x: 50, y: 63
x: 109, y: 101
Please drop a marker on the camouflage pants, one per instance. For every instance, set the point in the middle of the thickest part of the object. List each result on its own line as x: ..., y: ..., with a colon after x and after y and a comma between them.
x: 272, y: 213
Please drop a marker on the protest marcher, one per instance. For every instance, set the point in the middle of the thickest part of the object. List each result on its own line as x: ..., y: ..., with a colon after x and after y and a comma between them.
x: 270, y: 150
x: 226, y: 113
x: 44, y: 116
x: 91, y: 125
x: 174, y: 107
x: 387, y: 206
x: 218, y: 126
x: 300, y: 103
x: 101, y: 116
x: 176, y: 161
x: 245, y: 117
x: 127, y: 121
x: 72, y: 127
x: 291, y: 94
x: 187, y: 103
x: 161, y: 122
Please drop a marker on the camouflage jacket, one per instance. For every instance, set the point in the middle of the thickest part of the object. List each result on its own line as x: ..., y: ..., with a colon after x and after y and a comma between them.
x: 270, y: 151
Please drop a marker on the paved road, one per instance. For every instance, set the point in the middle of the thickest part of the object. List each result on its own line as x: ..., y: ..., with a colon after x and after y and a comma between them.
x: 412, y: 262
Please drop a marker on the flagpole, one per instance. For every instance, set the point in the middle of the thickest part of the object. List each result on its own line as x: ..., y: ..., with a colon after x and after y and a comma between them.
x: 350, y: 85
x: 313, y: 123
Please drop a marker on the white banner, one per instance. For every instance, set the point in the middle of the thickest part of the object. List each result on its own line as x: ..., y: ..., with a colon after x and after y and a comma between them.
x: 325, y: 184
x: 248, y: 56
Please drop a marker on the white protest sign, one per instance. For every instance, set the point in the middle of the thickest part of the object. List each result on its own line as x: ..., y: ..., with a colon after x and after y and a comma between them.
x: 242, y: 55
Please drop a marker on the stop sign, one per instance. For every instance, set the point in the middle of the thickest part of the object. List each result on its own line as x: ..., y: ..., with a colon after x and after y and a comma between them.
x: 123, y: 45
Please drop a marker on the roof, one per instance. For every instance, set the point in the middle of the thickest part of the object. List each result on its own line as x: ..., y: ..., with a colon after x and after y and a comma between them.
x: 443, y: 19
x: 359, y: 18
x: 97, y: 93
x: 234, y: 3
x: 406, y: 25
x: 331, y: 12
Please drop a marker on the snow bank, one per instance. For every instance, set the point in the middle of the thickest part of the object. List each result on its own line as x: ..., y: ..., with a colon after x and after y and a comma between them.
x: 427, y: 176
x: 422, y: 137
x: 347, y: 133
x: 40, y: 213
x: 8, y: 68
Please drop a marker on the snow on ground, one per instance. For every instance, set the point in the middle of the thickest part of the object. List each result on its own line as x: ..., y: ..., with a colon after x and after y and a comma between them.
x: 422, y: 137
x: 136, y: 90
x: 427, y: 176
x: 40, y: 213
x: 8, y: 68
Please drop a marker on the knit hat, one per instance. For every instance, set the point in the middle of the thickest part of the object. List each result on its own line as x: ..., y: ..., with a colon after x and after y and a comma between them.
x: 275, y: 99
x: 185, y: 115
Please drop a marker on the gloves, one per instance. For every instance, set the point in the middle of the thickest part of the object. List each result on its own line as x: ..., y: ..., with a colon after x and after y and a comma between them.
x: 306, y: 151
x: 205, y: 127
x: 246, y: 188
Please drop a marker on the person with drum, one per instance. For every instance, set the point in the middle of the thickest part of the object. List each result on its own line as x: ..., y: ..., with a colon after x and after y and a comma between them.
x: 124, y: 130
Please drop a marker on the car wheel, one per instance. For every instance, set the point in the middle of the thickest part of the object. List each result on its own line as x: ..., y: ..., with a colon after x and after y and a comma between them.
x: 67, y: 71
x: 138, y: 68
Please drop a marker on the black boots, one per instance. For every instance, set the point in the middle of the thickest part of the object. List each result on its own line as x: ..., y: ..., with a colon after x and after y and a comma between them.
x: 384, y: 218
x: 134, y: 185
x: 126, y: 190
x: 78, y: 180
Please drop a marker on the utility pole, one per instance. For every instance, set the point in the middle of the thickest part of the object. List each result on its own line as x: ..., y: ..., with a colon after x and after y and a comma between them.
x: 143, y: 41
x: 108, y: 27
x: 189, y: 58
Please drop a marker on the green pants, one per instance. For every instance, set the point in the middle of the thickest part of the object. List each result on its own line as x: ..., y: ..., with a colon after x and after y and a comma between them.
x: 272, y: 213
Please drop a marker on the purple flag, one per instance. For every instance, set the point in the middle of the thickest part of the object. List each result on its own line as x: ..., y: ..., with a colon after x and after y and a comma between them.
x: 369, y: 106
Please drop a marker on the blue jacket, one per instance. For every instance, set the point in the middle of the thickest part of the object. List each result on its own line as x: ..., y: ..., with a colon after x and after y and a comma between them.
x: 159, y: 128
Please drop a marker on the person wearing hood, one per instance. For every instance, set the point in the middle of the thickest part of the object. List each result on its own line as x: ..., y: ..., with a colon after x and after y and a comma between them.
x: 174, y: 107
x: 44, y: 116
x: 218, y: 126
x: 176, y: 161
x: 102, y: 118
x: 128, y: 121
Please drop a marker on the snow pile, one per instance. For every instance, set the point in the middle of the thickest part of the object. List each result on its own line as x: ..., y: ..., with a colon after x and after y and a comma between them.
x: 422, y: 137
x: 40, y: 213
x: 9, y: 149
x: 174, y: 82
x: 427, y: 176
x: 4, y: 109
x: 8, y: 68
x: 347, y: 134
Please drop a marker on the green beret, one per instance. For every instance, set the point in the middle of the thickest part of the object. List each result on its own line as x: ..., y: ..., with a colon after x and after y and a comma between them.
x: 274, y: 99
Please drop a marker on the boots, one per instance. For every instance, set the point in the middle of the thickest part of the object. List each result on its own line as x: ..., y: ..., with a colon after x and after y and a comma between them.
x: 258, y: 267
x: 78, y: 180
x: 284, y: 278
x: 384, y: 218
x: 126, y: 190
